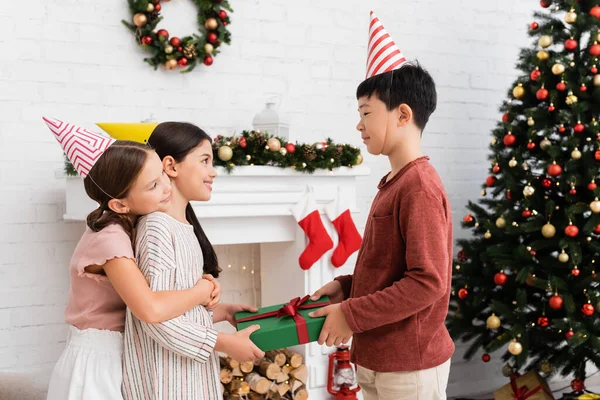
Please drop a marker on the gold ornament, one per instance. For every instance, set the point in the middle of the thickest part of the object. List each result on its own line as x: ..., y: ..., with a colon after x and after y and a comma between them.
x: 225, y: 153
x: 558, y: 69
x: 595, y: 206
x: 150, y: 7
x: 501, y: 222
x: 494, y: 141
x: 493, y: 322
x: 598, y: 36
x: 571, y: 98
x: 171, y: 64
x: 530, y: 121
x: 483, y: 193
x: 139, y: 20
x: 543, y: 55
x: 563, y: 257
x: 487, y: 235
x: 597, y: 80
x: 519, y: 91
x: 546, y: 367
x: 274, y: 144
x: 576, y: 154
x: 190, y: 51
x: 571, y: 17
x: 545, y: 143
x: 528, y: 191
x: 248, y: 157
x: 168, y: 49
x: 545, y: 41
x: 211, y: 24
x: 359, y: 159
x: 283, y: 151
x: 515, y: 348
x: 512, y: 163
x: 548, y: 230
x: 208, y: 48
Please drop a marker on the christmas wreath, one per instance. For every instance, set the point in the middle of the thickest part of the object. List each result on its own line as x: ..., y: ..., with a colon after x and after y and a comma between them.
x: 258, y: 148
x: 183, y: 52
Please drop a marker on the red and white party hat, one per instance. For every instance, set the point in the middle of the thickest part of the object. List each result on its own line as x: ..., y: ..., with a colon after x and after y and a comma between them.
x: 383, y: 55
x: 83, y: 147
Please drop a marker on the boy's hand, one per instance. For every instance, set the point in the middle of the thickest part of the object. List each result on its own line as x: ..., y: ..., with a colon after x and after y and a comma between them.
x: 335, y: 329
x: 215, y: 296
x: 333, y: 289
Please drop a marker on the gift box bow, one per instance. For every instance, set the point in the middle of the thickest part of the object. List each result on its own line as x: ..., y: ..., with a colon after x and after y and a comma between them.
x: 522, y: 393
x: 291, y: 310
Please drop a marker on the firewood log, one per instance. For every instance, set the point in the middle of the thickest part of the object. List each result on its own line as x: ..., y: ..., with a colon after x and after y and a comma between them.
x: 294, y: 359
x: 247, y: 367
x: 277, y: 357
x: 269, y: 369
x: 258, y: 383
x: 226, y: 375
x: 300, y: 373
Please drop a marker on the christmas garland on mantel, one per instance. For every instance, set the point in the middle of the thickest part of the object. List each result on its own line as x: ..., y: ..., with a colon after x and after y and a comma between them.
x: 187, y: 51
x: 258, y: 148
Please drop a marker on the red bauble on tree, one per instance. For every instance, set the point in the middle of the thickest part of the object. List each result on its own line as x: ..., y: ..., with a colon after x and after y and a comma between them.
x: 570, y: 44
x: 545, y: 3
x: 561, y: 86
x: 175, y: 42
x: 509, y: 139
x: 562, y: 128
x: 496, y: 169
x: 490, y: 181
x: 531, y: 145
x: 462, y: 256
x: 579, y: 127
x: 534, y: 25
x: 462, y: 293
x: 597, y: 229
x: 546, y: 183
x: 551, y: 107
x: 467, y: 219
x: 595, y: 12
x: 526, y: 213
x: 573, y: 191
x: 208, y: 60
x: 594, y: 70
x: 555, y: 302
x: 583, y: 88
x: 554, y: 169
x: 543, y: 321
x: 486, y: 358
x: 500, y: 278
x: 597, y: 155
x: 587, y: 309
x: 535, y: 74
x: 575, y: 271
x: 577, y: 385
x: 569, y: 334
x: 592, y: 186
x: 571, y: 230
x: 505, y: 118
x: 542, y: 94
x: 595, y: 50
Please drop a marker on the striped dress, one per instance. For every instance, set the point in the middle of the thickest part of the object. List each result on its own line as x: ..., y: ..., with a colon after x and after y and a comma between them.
x: 173, y: 359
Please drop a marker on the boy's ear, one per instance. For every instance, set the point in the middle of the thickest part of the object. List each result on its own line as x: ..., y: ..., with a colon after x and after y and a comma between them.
x: 405, y: 114
x: 169, y: 165
x: 119, y: 206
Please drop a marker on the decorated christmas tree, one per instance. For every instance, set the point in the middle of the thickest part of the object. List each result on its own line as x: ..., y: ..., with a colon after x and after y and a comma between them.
x: 527, y: 280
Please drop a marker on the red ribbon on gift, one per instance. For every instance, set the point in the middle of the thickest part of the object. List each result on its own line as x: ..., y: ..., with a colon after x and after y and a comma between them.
x: 521, y: 393
x: 291, y: 310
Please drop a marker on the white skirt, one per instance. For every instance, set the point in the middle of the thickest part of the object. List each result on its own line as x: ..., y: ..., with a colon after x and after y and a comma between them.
x: 89, y: 367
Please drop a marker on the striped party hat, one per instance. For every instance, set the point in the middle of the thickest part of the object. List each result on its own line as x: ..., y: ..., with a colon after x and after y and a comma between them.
x: 83, y: 147
x: 383, y: 55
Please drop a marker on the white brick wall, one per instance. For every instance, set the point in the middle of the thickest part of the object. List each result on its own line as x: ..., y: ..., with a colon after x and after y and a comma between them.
x: 73, y: 59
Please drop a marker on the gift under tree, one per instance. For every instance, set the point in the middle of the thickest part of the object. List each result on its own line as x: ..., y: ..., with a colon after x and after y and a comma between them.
x: 527, y: 281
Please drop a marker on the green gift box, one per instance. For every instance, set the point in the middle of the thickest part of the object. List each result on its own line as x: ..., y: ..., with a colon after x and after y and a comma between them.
x: 284, y: 325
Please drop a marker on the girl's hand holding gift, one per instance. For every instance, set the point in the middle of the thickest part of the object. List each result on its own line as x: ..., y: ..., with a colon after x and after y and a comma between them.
x: 206, y: 288
x: 216, y: 293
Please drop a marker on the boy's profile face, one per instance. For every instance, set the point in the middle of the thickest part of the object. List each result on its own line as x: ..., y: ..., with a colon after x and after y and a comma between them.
x: 373, y: 124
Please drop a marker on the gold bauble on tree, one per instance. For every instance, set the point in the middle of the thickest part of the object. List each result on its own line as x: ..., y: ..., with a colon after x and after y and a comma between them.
x: 171, y: 64
x: 515, y: 348
x: 501, y: 222
x: 139, y: 20
x: 576, y: 154
x: 548, y: 230
x: 558, y: 69
x: 211, y: 24
x: 530, y: 121
x: 225, y: 153
x: 519, y: 91
x: 274, y: 144
x: 563, y: 257
x: 597, y: 80
x: 359, y: 159
x: 545, y: 41
x: 493, y: 322
x: 546, y: 367
x: 528, y: 191
x: 595, y: 206
x: 512, y: 163
x: 487, y: 235
x: 571, y: 99
x: 571, y: 17
x: 543, y: 55
x: 545, y: 143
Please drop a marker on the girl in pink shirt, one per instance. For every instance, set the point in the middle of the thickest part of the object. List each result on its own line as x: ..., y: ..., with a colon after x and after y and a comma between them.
x: 126, y: 179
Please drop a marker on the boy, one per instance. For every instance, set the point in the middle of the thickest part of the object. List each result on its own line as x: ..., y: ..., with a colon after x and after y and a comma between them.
x: 395, y: 303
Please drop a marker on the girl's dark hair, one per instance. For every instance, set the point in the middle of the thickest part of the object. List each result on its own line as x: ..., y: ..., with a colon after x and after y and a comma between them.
x: 178, y: 139
x: 112, y: 177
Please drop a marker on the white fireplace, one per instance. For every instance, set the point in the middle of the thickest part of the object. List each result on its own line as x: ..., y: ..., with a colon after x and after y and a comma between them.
x: 252, y: 207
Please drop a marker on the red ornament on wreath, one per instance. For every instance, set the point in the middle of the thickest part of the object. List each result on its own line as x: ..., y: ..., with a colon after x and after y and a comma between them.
x: 554, y: 169
x: 543, y: 321
x: 587, y: 309
x: 555, y: 302
x: 542, y: 94
x: 571, y: 230
x: 208, y: 60
x: 157, y: 7
x: 595, y: 50
x: 242, y: 142
x: 182, y: 62
x: 561, y: 86
x: 175, y: 41
x: 500, y: 278
x: 486, y: 358
x: 579, y: 127
x: 462, y: 293
x: 147, y: 40
x: 490, y: 181
x: 290, y: 147
x: 509, y: 139
x: 162, y: 34
x: 212, y: 37
x: 577, y: 385
x: 595, y: 12
x: 570, y: 44
x: 222, y: 14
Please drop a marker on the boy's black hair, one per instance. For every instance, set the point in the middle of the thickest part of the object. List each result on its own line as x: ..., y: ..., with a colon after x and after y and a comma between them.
x: 411, y: 85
